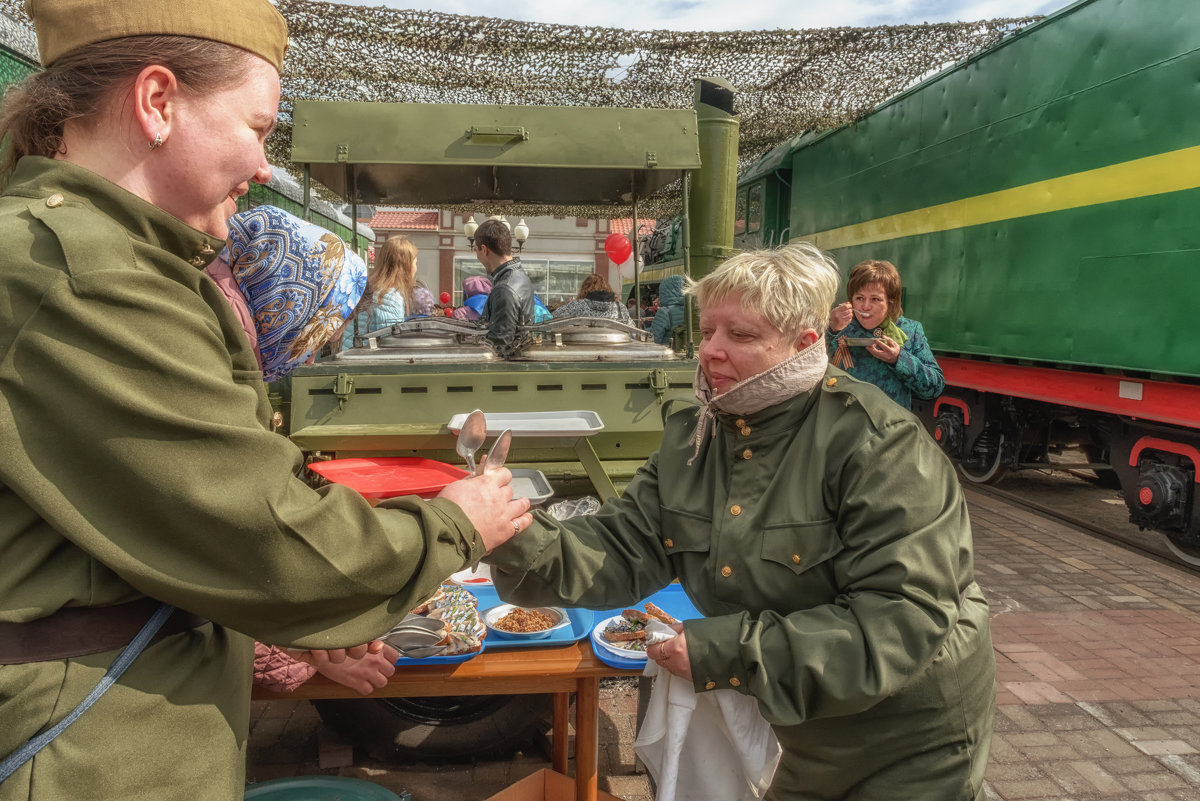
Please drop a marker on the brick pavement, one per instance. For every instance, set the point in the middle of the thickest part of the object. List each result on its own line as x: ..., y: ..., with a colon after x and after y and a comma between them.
x: 1098, y: 684
x: 1098, y: 664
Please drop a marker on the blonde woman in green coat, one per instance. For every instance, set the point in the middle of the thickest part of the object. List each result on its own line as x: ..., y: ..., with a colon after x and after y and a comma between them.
x: 822, y: 534
x: 138, y: 466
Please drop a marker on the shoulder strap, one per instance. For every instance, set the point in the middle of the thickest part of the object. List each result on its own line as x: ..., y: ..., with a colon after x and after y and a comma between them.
x: 26, y: 752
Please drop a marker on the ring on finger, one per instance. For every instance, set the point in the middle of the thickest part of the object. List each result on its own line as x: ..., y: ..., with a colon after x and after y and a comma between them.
x: 516, y: 527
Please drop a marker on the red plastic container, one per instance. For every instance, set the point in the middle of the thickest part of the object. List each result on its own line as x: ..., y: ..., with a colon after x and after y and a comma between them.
x: 390, y: 476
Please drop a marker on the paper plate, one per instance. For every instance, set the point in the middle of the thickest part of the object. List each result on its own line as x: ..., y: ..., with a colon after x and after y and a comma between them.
x: 599, y: 642
x: 480, y: 576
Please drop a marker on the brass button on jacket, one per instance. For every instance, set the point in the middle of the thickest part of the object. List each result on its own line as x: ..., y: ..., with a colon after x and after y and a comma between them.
x: 746, y: 454
x: 740, y: 423
x: 735, y: 510
x: 727, y: 571
x: 735, y: 682
x: 670, y: 543
x: 54, y: 201
x: 745, y: 431
x: 831, y: 382
x: 710, y: 685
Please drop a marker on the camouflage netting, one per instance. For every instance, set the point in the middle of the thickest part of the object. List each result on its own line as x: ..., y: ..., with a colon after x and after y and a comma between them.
x: 787, y: 81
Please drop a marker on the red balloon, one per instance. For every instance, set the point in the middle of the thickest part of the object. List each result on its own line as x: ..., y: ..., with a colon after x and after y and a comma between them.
x: 445, y: 297
x: 449, y: 312
x: 618, y: 248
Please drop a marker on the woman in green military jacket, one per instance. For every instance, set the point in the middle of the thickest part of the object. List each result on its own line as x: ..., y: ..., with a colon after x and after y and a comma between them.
x: 137, y: 459
x: 822, y: 534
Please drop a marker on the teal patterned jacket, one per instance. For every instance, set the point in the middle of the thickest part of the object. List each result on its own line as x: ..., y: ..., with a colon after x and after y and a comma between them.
x: 916, y: 372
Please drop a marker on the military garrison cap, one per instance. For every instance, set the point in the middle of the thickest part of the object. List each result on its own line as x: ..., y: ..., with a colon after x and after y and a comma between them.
x: 66, y: 25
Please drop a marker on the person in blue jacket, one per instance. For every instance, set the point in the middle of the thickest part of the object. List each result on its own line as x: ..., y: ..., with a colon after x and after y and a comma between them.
x: 670, y: 309
x: 476, y: 289
x: 899, y: 360
x: 391, y: 285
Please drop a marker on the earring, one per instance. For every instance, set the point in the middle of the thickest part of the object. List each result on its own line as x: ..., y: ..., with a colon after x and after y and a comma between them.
x: 157, y: 143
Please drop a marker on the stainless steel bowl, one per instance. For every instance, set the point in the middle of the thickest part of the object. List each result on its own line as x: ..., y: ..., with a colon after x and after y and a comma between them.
x: 491, y: 616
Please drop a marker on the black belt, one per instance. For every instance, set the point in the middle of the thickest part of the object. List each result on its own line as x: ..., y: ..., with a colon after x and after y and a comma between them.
x: 82, y: 630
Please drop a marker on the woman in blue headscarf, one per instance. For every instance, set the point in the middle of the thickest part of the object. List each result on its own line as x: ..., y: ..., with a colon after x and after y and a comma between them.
x: 293, y: 285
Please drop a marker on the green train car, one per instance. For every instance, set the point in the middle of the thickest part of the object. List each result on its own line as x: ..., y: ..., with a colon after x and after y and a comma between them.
x: 1041, y: 200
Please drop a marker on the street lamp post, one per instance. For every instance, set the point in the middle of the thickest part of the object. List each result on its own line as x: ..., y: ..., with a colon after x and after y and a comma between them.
x: 520, y: 233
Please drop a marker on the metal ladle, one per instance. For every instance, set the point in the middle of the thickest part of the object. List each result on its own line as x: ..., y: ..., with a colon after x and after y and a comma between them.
x: 471, y: 437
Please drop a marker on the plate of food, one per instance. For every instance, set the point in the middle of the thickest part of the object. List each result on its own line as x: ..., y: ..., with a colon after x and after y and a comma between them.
x: 623, y: 635
x: 508, y: 621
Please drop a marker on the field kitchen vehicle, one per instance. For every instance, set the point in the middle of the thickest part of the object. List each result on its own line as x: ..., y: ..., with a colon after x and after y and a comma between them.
x: 1041, y: 201
x: 395, y: 392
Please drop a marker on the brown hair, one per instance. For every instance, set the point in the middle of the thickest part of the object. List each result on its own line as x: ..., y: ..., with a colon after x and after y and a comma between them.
x: 877, y: 271
x: 79, y: 84
x: 593, y: 283
x: 495, y: 235
x: 395, y: 268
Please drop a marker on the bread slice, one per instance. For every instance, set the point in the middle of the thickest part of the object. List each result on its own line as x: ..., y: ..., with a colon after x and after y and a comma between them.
x: 659, y: 614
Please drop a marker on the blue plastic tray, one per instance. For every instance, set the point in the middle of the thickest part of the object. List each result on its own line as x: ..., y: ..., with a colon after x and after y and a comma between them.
x: 582, y: 621
x: 404, y: 661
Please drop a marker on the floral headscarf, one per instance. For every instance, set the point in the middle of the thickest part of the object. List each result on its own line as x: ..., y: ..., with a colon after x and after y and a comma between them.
x: 300, y: 281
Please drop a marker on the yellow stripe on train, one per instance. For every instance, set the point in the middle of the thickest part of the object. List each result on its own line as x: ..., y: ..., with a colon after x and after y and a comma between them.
x: 1153, y: 175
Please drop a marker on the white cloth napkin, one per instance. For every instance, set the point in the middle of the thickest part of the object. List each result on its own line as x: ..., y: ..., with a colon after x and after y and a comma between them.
x: 712, y: 746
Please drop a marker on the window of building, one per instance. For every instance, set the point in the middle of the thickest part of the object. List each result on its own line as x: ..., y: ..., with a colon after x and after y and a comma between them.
x: 554, y: 280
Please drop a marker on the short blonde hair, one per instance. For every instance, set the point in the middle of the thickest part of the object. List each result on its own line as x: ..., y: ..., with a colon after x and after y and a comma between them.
x: 793, y: 287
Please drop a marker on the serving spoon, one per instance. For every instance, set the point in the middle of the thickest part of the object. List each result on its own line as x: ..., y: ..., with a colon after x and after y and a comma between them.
x: 471, y: 437
x: 498, y: 453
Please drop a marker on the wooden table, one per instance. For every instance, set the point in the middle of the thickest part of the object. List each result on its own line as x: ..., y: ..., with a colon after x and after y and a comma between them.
x: 559, y: 670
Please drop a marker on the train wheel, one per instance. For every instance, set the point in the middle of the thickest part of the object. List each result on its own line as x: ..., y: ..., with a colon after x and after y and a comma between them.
x: 1188, y: 554
x: 986, y: 467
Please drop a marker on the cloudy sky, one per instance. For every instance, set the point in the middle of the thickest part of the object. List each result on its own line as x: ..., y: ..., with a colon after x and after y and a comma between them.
x: 725, y: 15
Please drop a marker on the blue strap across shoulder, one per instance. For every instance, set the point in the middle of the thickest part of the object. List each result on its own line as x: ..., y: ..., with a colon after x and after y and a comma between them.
x: 25, y: 753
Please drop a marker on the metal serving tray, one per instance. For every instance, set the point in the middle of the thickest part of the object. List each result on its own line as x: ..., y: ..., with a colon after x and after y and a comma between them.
x: 581, y: 423
x: 531, y: 484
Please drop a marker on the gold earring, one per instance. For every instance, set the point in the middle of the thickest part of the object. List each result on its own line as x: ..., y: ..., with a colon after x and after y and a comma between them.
x: 156, y: 143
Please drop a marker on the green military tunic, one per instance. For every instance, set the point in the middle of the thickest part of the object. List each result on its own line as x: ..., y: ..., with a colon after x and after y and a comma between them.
x: 135, y: 460
x: 826, y: 540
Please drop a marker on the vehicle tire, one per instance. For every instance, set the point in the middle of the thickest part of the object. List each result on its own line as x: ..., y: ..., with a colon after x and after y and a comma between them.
x: 433, y: 729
